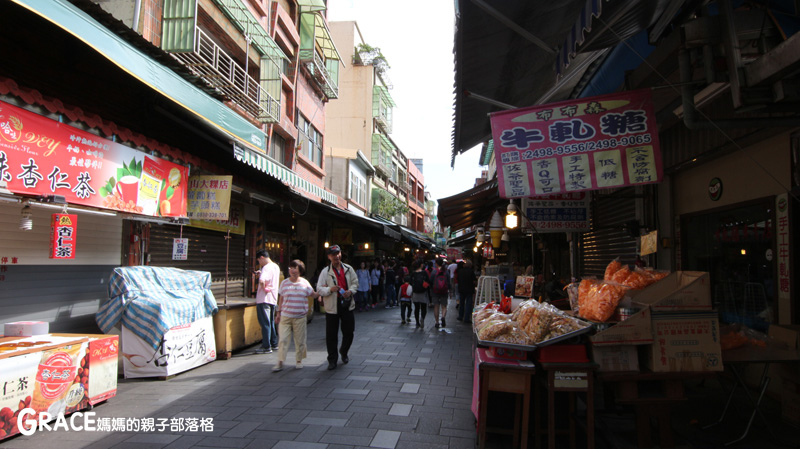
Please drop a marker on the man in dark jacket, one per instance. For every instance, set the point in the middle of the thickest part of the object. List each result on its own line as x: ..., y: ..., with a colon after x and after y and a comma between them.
x: 466, y: 290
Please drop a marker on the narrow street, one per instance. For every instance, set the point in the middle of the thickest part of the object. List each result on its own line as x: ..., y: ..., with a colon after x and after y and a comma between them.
x: 403, y: 388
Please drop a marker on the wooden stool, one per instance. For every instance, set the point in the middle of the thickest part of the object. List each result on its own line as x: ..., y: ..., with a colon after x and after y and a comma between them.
x: 508, y: 376
x: 570, y: 378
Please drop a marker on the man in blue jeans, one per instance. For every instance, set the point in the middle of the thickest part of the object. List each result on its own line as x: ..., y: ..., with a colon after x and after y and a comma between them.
x: 266, y: 298
x: 391, y: 289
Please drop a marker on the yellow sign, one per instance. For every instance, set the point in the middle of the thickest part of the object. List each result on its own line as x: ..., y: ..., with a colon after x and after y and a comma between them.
x: 209, y: 197
x: 649, y: 243
x: 235, y: 223
x: 342, y: 236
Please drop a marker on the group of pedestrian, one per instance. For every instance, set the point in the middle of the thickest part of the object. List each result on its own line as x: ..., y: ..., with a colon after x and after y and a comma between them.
x: 376, y: 284
x: 286, y: 306
x: 341, y: 290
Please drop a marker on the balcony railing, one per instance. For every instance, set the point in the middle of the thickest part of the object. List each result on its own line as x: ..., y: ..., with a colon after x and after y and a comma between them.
x: 403, y: 186
x: 220, y: 71
x: 316, y: 68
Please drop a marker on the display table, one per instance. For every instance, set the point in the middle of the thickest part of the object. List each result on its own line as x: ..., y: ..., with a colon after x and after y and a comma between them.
x: 664, y: 390
x: 737, y: 360
x: 235, y: 326
x: 571, y: 378
x: 502, y: 375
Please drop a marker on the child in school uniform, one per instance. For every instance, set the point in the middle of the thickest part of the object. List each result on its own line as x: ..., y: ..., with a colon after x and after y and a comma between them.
x: 405, y: 302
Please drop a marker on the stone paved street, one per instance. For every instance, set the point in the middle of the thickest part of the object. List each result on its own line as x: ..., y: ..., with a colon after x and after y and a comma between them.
x: 403, y: 388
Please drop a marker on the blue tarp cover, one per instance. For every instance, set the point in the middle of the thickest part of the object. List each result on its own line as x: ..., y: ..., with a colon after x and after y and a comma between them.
x: 151, y: 300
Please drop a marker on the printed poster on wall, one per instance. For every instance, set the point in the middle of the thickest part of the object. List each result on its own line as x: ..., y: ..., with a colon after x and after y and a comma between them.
x: 39, y: 156
x: 209, y: 197
x: 593, y: 143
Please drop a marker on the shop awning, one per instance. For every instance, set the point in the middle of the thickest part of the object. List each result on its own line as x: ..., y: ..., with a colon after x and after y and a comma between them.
x: 280, y: 172
x: 463, y: 240
x: 150, y: 72
x: 321, y: 34
x: 311, y: 5
x: 471, y: 207
x: 519, y: 53
x: 385, y: 228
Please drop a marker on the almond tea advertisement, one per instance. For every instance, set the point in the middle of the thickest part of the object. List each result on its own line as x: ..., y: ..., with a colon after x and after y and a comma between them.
x: 39, y: 156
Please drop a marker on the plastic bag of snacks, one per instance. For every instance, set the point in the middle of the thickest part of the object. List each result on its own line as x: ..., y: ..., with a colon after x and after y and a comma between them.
x: 495, y: 327
x: 601, y: 300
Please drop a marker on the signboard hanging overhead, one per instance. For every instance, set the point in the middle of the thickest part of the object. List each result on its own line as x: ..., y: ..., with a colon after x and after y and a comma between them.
x: 591, y: 143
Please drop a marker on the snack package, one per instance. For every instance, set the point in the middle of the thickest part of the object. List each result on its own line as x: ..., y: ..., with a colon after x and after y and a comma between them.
x: 514, y: 336
x: 601, y: 301
x: 494, y: 328
x: 612, y: 268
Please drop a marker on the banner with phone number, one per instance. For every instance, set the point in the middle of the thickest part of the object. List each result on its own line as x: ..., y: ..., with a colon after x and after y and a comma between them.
x: 591, y: 143
x: 39, y: 156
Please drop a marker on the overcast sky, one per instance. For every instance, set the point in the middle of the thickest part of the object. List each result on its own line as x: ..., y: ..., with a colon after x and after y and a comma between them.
x: 416, y: 37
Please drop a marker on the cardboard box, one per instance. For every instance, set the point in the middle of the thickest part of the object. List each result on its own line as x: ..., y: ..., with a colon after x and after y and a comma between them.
x: 26, y: 328
x: 680, y: 291
x: 685, y: 342
x: 616, y: 358
x: 790, y: 401
x: 786, y: 336
x: 636, y: 330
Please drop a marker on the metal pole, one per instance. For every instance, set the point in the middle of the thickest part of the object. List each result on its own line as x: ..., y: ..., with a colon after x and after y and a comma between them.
x: 227, y: 259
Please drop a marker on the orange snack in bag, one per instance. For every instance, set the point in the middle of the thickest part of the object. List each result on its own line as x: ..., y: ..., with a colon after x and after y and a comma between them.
x: 621, y: 274
x: 612, y: 268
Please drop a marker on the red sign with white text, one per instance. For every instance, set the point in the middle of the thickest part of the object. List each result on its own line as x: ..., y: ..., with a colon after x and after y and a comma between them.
x: 63, y: 230
x: 592, y: 143
x: 39, y: 156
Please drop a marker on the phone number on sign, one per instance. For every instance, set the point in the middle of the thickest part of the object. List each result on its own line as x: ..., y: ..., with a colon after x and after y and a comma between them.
x: 560, y: 224
x: 585, y: 147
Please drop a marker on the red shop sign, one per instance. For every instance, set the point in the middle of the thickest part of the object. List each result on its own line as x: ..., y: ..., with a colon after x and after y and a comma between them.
x: 63, y: 231
x: 39, y: 156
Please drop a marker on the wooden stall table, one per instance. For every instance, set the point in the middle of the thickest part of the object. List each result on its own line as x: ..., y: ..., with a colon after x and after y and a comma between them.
x: 737, y: 360
x: 235, y: 325
x: 651, y: 404
x: 507, y: 376
x: 571, y: 378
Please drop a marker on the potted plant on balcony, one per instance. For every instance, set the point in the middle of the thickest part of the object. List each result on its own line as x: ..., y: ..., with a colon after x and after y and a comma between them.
x: 368, y: 55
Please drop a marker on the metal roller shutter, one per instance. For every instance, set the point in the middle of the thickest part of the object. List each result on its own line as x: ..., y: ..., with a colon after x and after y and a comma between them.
x: 609, y: 238
x: 207, y: 251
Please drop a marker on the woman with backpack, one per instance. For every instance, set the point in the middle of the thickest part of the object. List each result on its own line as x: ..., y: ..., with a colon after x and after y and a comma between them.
x: 440, y: 286
x: 419, y: 285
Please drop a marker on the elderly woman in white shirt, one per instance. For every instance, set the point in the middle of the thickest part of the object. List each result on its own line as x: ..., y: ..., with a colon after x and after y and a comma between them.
x: 292, y: 310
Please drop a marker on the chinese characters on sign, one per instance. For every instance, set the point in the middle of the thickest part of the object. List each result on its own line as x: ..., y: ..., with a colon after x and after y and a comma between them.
x: 4, y: 265
x: 209, y: 197
x: 39, y: 156
x: 568, y: 212
x: 783, y: 241
x: 587, y: 144
x: 180, y: 249
x: 64, y: 230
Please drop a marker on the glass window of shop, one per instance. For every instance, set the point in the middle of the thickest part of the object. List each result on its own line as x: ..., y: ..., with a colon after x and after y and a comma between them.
x: 735, y: 245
